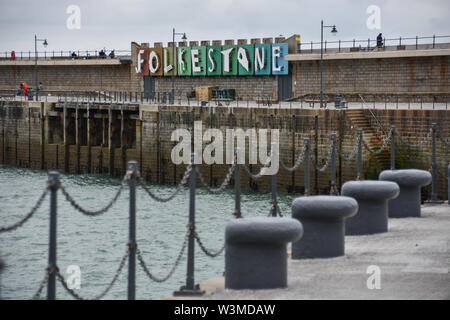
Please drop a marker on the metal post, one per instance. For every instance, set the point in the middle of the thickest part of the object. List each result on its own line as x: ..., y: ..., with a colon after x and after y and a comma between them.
x: 333, y: 165
x: 132, y: 170
x: 273, y: 187
x: 434, y: 198
x: 53, y: 181
x: 321, y: 63
x: 35, y: 68
x: 237, y: 187
x: 393, y: 148
x: 306, y: 166
x: 172, y: 77
x: 359, y: 159
x: 190, y: 288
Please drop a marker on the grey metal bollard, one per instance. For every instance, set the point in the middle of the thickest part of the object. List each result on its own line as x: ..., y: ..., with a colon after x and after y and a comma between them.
x: 410, y: 181
x: 256, y: 253
x: 323, y: 219
x: 372, y: 197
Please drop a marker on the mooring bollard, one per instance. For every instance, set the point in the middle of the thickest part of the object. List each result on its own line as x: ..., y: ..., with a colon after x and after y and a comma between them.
x: 256, y: 252
x: 190, y: 288
x: 333, y: 165
x: 359, y: 159
x: 372, y: 197
x: 392, y: 147
x: 132, y: 171
x: 323, y: 219
x: 306, y: 165
x: 53, y: 182
x: 410, y: 181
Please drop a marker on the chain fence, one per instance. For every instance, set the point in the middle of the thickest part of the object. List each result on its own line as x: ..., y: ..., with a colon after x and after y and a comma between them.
x: 155, y: 197
x: 444, y: 141
x: 386, y: 141
x: 327, y: 159
x: 418, y: 145
x: 222, y: 186
x: 28, y: 216
x: 297, y: 163
x: 105, y: 291
x: 204, y: 249
x: 42, y: 284
x: 174, y: 267
x: 259, y: 174
x: 275, y: 205
x: 78, y: 207
x: 353, y: 153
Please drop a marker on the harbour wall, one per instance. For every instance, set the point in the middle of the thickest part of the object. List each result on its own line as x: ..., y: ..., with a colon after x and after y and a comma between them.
x: 101, y: 138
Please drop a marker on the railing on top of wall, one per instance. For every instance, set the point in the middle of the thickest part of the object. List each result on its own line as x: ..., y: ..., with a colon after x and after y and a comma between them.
x: 400, y: 43
x: 64, y: 54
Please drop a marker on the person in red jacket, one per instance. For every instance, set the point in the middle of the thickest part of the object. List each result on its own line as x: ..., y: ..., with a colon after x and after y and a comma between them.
x: 24, y: 88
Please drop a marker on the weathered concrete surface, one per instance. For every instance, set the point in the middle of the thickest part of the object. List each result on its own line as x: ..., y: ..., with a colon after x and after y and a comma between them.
x: 414, y: 258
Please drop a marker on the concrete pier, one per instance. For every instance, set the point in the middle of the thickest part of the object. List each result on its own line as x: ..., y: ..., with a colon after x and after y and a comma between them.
x: 412, y: 259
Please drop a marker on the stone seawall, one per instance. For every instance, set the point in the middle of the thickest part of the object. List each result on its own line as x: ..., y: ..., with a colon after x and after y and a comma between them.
x: 101, y: 138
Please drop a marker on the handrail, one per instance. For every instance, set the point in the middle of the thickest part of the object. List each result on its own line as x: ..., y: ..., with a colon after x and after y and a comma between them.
x: 366, y: 44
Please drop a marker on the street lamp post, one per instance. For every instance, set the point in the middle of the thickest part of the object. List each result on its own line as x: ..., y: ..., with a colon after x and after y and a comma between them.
x: 333, y: 31
x: 35, y: 63
x: 172, y: 99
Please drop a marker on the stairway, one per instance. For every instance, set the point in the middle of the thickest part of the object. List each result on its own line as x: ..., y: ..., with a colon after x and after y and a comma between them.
x: 373, y: 136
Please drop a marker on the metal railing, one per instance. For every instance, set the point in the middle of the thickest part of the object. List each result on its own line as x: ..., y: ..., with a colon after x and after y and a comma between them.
x: 306, y: 101
x: 64, y: 54
x: 400, y: 43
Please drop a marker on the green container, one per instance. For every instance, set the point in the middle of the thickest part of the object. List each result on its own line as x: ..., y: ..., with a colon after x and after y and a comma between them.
x: 229, y: 94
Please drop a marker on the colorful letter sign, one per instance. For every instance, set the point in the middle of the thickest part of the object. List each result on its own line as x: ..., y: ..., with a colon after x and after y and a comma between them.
x: 245, y: 59
x: 214, y: 60
x: 263, y: 59
x: 155, y: 62
x: 198, y: 56
x: 279, y: 64
x: 227, y: 60
x: 184, y: 61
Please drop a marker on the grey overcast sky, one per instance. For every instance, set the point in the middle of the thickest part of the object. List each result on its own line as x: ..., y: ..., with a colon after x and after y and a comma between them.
x: 114, y: 24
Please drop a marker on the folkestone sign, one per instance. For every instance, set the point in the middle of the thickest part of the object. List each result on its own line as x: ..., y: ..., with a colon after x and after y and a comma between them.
x: 226, y: 60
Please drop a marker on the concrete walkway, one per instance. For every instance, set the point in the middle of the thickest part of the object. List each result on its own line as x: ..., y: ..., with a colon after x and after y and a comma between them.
x: 413, y: 257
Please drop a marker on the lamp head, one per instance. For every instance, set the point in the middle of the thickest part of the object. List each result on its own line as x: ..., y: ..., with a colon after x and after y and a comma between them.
x: 333, y: 30
x: 184, y: 37
x: 45, y: 43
